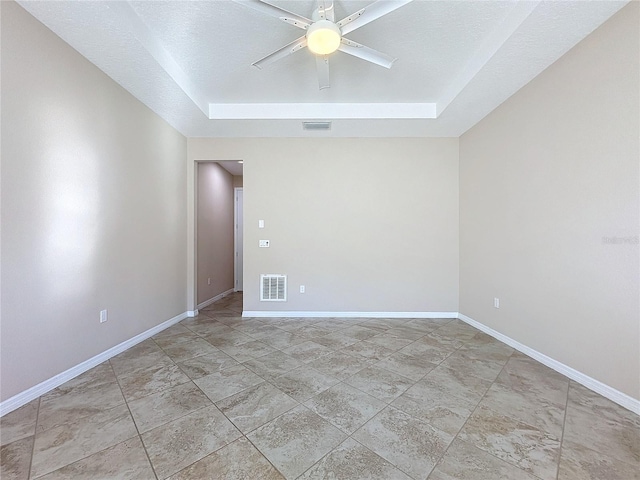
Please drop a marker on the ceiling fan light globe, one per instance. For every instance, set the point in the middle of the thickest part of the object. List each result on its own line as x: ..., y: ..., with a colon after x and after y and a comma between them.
x: 323, y: 37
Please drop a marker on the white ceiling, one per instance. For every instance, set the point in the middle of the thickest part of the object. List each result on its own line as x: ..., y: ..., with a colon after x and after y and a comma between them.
x: 190, y: 62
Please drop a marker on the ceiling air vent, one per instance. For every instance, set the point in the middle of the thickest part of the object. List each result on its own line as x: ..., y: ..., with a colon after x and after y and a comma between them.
x: 316, y: 125
x: 274, y: 288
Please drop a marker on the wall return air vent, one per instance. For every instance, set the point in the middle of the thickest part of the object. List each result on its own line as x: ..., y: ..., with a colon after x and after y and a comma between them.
x: 273, y: 288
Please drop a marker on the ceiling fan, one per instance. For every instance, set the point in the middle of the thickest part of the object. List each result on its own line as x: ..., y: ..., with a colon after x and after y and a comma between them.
x: 324, y: 35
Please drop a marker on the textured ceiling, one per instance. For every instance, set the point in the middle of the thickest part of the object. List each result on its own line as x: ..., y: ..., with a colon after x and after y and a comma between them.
x: 190, y: 61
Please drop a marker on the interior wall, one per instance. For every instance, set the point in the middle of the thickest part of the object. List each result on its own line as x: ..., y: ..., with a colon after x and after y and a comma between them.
x: 366, y: 225
x: 549, y: 210
x: 215, y: 222
x: 237, y: 181
x: 93, y: 209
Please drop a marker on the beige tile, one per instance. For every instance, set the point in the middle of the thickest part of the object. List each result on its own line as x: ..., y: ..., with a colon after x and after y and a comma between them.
x: 339, y: 365
x: 383, y: 324
x: 248, y: 351
x: 409, y: 444
x: 382, y: 384
x: 15, y: 459
x: 389, y: 341
x: 334, y: 323
x: 179, y: 352
x: 359, y: 332
x: 124, y: 461
x: 308, y: 351
x: 351, y: 460
x: 308, y: 331
x: 282, y: 340
x: 526, y: 407
x: 259, y: 330
x: 424, y: 325
x: 227, y: 382
x: 466, y: 462
x: 614, y: 438
x: 489, y: 350
x: 19, y: 424
x: 461, y: 362
x: 302, y: 383
x: 164, y: 341
x: 456, y: 383
x: 335, y: 340
x: 255, y: 406
x: 428, y: 349
x: 579, y: 463
x: 153, y: 379
x: 406, y: 331
x: 228, y: 339
x: 296, y: 440
x: 233, y: 321
x: 143, y: 354
x: 176, y: 329
x: 582, y: 398
x: 408, y: 366
x: 345, y: 407
x: 212, y: 327
x: 437, y: 407
x: 529, y: 376
x: 177, y: 444
x: 91, y: 392
x: 154, y: 410
x: 207, y: 364
x: 458, y: 330
x: 273, y: 365
x: 370, y: 351
x: 518, y: 443
x: 76, y: 439
x: 237, y: 461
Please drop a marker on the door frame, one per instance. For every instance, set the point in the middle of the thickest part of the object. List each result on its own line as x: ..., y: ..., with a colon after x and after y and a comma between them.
x: 237, y: 245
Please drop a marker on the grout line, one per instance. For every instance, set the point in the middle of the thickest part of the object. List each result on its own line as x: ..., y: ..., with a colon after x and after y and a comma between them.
x: 564, y: 426
x: 144, y: 447
x: 35, y: 433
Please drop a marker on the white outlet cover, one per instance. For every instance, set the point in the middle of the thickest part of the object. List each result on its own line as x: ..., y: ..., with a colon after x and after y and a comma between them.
x: 264, y: 243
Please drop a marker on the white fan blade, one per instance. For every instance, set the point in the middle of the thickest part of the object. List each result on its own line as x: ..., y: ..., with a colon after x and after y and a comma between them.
x: 292, y: 47
x: 366, y: 53
x: 369, y: 14
x: 284, y: 15
x: 326, y: 11
x: 322, y: 63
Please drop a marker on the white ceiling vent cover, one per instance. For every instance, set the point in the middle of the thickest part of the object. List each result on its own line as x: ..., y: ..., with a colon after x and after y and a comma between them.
x: 273, y: 288
x: 316, y: 125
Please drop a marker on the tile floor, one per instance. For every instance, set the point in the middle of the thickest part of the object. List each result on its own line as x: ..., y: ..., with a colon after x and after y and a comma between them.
x: 222, y: 397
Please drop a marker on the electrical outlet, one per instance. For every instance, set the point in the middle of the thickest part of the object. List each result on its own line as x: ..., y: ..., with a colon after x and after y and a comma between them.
x: 496, y: 302
x: 301, y: 288
x: 209, y: 281
x: 263, y: 243
x: 103, y: 316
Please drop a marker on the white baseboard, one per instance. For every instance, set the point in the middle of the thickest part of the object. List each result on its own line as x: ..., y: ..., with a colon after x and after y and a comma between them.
x: 192, y: 313
x: 612, y: 394
x: 32, y: 393
x: 206, y: 303
x: 307, y: 314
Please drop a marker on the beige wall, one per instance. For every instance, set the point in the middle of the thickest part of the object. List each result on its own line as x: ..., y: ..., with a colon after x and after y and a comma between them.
x: 93, y: 209
x: 215, y: 220
x: 365, y: 224
x: 237, y: 181
x: 545, y: 180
